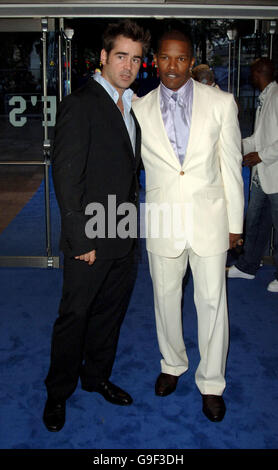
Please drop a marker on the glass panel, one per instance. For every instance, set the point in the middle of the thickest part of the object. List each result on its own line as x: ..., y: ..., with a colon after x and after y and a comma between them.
x: 22, y: 205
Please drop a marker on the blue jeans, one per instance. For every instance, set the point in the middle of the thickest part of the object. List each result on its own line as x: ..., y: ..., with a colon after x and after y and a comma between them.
x: 262, y: 214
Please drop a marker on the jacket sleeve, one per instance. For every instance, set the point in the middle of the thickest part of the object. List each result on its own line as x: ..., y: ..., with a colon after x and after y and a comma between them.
x: 69, y: 165
x: 268, y: 132
x: 269, y: 154
x: 231, y: 166
x: 248, y: 145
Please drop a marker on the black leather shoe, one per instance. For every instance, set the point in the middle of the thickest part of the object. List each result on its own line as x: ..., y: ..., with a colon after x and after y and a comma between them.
x: 111, y: 393
x: 54, y: 415
x: 165, y: 384
x: 214, y: 407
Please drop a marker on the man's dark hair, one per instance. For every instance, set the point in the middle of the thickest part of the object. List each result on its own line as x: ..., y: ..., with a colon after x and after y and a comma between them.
x: 129, y: 29
x: 265, y: 67
x: 176, y: 34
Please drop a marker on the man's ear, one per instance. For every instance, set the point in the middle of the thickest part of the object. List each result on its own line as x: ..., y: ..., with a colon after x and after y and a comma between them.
x: 192, y: 63
x: 103, y: 56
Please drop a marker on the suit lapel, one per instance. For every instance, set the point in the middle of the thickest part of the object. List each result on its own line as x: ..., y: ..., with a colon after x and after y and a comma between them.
x: 119, y: 120
x: 155, y: 116
x: 198, y: 119
x: 137, y: 142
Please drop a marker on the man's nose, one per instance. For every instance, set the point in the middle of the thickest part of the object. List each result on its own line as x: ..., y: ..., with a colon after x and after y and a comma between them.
x: 172, y: 64
x: 128, y: 64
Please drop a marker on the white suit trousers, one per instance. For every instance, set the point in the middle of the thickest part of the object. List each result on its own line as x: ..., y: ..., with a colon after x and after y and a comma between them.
x: 211, y: 305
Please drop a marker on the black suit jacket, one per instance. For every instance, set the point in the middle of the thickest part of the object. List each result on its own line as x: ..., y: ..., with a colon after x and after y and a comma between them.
x: 92, y: 158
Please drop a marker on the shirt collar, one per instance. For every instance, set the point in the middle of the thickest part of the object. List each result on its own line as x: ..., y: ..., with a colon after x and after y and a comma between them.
x: 265, y: 91
x: 183, y: 92
x: 127, y: 94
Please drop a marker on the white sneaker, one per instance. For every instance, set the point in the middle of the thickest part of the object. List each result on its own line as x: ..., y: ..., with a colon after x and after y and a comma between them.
x: 273, y: 286
x: 234, y: 272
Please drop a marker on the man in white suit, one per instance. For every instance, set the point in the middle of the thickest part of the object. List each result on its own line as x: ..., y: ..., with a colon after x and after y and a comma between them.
x: 261, y: 154
x: 192, y: 159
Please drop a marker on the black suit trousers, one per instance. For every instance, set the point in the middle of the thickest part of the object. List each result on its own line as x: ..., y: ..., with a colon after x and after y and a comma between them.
x: 85, y: 335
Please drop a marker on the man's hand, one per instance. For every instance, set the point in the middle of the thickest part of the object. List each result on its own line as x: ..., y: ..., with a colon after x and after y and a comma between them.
x: 88, y: 257
x: 235, y: 240
x: 251, y: 159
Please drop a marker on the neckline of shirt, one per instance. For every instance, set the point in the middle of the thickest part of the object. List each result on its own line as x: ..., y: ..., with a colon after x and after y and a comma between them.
x: 114, y: 94
x: 182, y: 92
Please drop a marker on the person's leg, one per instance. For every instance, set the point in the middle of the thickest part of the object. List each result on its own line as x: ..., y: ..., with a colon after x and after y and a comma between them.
x: 211, y: 305
x: 258, y: 228
x: 274, y: 215
x: 273, y: 198
x: 167, y: 276
x: 80, y: 287
x: 106, y: 316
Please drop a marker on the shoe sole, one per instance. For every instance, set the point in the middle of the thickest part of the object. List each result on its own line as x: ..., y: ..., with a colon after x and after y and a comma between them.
x: 240, y: 277
x: 51, y: 429
x: 214, y: 420
x: 164, y: 394
x: 246, y: 276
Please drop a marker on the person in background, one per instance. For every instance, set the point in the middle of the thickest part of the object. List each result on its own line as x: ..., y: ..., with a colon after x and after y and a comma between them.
x: 203, y: 74
x: 261, y: 155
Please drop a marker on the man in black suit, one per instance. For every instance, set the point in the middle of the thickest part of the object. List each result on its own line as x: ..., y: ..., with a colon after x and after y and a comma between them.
x: 95, y: 160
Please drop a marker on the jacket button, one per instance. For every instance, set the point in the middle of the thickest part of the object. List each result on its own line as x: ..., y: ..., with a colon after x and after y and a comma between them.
x: 182, y: 173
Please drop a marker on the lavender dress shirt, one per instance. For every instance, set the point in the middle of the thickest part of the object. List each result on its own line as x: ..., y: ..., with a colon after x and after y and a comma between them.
x: 176, y: 114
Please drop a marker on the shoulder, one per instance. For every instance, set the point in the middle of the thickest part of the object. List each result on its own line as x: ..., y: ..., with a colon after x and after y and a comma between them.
x: 274, y: 91
x: 81, y: 99
x: 146, y: 100
x: 219, y: 101
x: 270, y: 107
x: 213, y: 92
x: 90, y: 88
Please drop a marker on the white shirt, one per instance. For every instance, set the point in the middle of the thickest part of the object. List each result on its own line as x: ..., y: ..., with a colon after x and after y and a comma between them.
x: 264, y: 140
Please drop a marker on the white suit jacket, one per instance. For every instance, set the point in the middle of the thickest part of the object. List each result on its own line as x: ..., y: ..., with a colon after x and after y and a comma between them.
x: 207, y: 188
x: 265, y: 141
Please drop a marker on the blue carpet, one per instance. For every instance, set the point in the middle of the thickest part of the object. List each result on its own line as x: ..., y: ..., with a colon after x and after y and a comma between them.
x: 26, y: 234
x: 28, y: 308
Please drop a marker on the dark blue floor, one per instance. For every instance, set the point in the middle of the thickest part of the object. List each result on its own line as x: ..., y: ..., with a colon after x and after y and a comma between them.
x: 28, y: 308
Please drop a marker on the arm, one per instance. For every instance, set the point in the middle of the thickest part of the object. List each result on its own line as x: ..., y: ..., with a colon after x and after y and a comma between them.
x: 231, y: 169
x: 88, y: 257
x: 251, y: 159
x: 69, y: 162
x: 248, y: 144
x: 235, y: 240
x: 267, y: 153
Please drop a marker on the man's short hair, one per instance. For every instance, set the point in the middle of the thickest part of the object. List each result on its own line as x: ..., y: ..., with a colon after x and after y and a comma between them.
x: 263, y: 66
x: 129, y: 29
x: 176, y: 34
